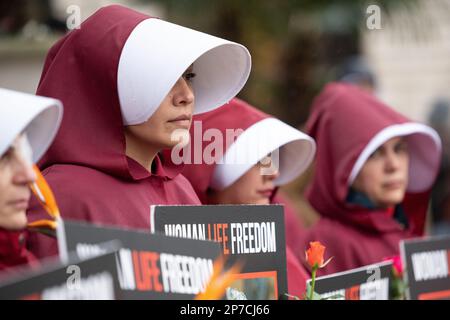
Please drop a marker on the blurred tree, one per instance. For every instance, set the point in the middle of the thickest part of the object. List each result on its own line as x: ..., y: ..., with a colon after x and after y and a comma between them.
x: 295, y: 44
x: 14, y: 15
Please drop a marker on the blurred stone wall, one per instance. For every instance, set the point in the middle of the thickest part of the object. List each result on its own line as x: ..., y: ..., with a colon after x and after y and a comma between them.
x: 411, y: 56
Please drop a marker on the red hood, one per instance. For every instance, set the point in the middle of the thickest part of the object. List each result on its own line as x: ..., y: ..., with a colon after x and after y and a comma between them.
x: 235, y: 115
x: 81, y: 71
x: 344, y: 119
x: 246, y: 135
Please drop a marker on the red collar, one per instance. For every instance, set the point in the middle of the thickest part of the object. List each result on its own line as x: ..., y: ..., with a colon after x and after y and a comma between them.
x: 390, y: 211
x: 164, y: 168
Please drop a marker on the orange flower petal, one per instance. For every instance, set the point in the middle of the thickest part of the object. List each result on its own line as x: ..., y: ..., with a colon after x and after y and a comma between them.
x: 219, y: 281
x: 315, y: 253
x: 46, y: 224
x: 44, y: 194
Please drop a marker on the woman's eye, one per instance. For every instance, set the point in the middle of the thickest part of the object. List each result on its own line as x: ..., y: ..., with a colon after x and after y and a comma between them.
x: 376, y: 154
x: 7, y: 155
x: 189, y: 76
x: 401, y: 147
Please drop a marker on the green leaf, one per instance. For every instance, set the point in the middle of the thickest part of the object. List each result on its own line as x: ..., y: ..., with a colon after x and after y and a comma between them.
x: 315, y: 295
x: 334, y: 297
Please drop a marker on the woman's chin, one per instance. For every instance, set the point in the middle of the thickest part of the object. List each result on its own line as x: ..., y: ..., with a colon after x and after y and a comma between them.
x: 15, y: 222
x: 179, y: 137
x: 262, y: 201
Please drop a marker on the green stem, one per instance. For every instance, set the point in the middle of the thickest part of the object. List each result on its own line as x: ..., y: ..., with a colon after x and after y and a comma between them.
x: 313, y: 282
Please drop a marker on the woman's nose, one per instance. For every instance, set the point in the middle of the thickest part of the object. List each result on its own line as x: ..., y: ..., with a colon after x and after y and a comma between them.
x: 24, y: 172
x: 271, y: 173
x: 392, y: 161
x: 183, y: 93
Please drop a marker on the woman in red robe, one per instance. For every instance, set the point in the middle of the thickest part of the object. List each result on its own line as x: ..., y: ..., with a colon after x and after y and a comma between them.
x: 373, y: 174
x: 28, y: 124
x: 238, y: 171
x: 128, y: 82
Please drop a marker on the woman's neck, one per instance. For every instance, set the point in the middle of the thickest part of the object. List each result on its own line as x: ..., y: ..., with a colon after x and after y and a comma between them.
x: 140, y: 151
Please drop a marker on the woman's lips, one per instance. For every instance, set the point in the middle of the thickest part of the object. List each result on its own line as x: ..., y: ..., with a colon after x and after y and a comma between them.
x: 393, y: 185
x: 181, y: 121
x: 267, y: 193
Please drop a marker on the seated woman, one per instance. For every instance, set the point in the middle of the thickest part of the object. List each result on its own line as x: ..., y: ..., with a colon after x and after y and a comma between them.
x: 128, y: 82
x: 373, y: 174
x: 28, y: 124
x: 242, y: 173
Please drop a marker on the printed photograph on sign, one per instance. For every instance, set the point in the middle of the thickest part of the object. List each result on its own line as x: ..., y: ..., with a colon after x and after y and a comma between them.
x: 256, y: 286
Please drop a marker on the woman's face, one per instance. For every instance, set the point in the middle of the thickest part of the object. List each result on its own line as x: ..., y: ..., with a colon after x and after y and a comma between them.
x: 384, y: 176
x: 16, y: 173
x: 174, y: 113
x: 251, y: 188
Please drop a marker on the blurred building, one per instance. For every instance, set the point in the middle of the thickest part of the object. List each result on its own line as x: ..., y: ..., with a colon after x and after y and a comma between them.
x: 410, y: 56
x: 31, y: 27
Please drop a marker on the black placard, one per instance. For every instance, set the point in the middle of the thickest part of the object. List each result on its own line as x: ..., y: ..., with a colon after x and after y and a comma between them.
x: 426, y: 263
x: 94, y: 278
x: 252, y: 234
x: 366, y: 283
x: 150, y: 266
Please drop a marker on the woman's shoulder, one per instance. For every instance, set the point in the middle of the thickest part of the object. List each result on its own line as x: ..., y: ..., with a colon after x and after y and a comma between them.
x: 71, y: 172
x: 75, y: 179
x: 75, y: 188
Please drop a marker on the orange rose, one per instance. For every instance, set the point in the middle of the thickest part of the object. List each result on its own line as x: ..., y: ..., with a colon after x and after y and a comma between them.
x: 314, y: 255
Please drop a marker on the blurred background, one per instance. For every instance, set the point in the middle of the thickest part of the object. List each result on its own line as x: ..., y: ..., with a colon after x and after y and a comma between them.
x: 397, y: 49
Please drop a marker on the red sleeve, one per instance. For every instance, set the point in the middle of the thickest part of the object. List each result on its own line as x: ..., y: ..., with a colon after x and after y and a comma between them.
x: 296, y: 275
x: 416, y: 207
x: 293, y: 225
